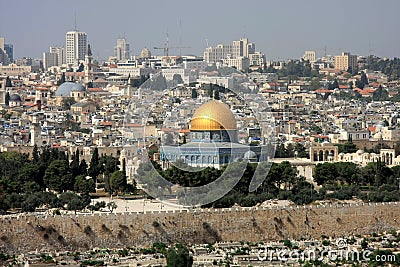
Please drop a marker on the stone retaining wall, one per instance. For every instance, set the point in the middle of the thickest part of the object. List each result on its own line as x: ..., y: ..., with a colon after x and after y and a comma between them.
x: 30, y: 232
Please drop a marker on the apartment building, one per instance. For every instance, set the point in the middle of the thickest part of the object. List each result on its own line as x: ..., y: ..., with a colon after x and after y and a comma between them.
x: 344, y: 61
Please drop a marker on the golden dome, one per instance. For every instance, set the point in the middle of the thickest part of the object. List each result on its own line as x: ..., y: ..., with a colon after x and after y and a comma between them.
x: 212, y: 116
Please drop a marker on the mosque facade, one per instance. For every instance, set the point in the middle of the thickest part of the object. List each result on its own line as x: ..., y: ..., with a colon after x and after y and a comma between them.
x: 213, y: 140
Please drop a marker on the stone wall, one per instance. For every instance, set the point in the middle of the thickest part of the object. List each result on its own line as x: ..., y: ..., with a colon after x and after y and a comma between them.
x: 23, y: 233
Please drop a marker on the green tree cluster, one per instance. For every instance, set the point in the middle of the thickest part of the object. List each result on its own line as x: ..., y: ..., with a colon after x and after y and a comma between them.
x: 24, y: 180
x: 390, y: 67
x: 380, y: 94
x: 290, y: 151
x: 344, y: 180
x: 178, y: 256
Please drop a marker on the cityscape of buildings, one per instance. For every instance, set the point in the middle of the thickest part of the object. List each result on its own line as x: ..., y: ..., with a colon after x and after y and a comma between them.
x: 203, y: 111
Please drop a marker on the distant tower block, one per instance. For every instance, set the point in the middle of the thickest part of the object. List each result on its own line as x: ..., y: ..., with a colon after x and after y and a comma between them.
x: 122, y: 50
x: 309, y: 56
x: 75, y: 47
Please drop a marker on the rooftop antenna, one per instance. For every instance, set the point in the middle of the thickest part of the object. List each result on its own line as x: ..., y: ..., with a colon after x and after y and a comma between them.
x: 75, y: 21
x: 167, y: 41
x: 180, y: 37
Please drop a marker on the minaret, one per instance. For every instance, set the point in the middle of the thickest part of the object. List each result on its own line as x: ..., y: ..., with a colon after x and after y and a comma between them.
x: 129, y: 86
x: 88, y: 66
x: 36, y: 137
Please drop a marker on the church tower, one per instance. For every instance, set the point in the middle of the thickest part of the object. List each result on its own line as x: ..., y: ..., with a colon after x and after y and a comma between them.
x: 88, y: 66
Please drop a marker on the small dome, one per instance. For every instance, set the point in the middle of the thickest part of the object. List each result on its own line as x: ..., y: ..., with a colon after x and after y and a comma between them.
x: 212, y: 116
x: 15, y: 98
x: 145, y: 53
x: 66, y: 88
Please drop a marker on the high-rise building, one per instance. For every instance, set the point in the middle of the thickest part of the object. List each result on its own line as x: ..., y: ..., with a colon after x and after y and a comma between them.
x: 240, y: 63
x: 76, y: 45
x: 55, y: 57
x: 2, y: 43
x: 345, y: 61
x: 243, y: 48
x: 309, y: 56
x: 122, y: 49
x: 60, y: 52
x: 49, y: 60
x: 6, y: 52
x: 215, y: 54
x: 9, y: 50
x: 257, y: 59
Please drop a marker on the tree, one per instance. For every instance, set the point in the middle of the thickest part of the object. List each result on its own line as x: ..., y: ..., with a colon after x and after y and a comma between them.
x: 67, y: 102
x: 118, y: 182
x: 37, y: 199
x: 83, y: 167
x: 8, y: 82
x: 58, y: 176
x: 210, y: 90
x: 111, y: 206
x: 3, y: 195
x: 72, y: 201
x: 380, y: 94
x: 325, y: 173
x: 194, y: 93
x: 61, y: 80
x: 83, y: 185
x: 35, y: 154
x: 94, y: 168
x: 178, y: 256
x: 335, y: 84
x: 315, y: 84
x: 7, y: 99
x: 359, y: 84
x: 108, y: 164
x: 81, y: 68
x: 216, y: 94
x: 90, y: 85
x: 75, y: 170
x: 364, y: 79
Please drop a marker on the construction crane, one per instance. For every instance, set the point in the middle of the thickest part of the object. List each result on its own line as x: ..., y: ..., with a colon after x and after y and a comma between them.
x: 166, y: 47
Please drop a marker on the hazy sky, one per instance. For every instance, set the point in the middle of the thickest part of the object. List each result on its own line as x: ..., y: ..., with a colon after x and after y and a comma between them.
x: 281, y: 29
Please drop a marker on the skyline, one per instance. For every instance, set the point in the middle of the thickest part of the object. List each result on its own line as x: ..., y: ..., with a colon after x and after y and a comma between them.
x: 280, y: 29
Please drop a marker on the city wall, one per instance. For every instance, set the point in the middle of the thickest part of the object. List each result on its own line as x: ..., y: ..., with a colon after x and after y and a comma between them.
x: 26, y: 232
